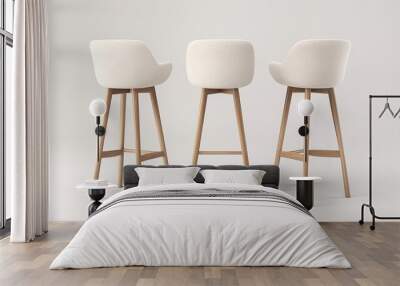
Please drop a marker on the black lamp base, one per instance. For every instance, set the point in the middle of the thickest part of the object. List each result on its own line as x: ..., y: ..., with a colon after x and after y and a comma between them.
x: 96, y: 195
x: 100, y: 130
x: 303, y: 130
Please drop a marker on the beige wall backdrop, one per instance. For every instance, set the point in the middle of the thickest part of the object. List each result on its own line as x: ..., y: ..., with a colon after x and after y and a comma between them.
x: 273, y: 26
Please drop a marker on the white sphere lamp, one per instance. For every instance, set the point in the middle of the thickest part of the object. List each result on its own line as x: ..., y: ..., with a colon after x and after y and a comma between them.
x: 97, y: 107
x: 305, y: 107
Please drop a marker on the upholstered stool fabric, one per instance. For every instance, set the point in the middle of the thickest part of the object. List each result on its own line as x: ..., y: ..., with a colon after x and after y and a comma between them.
x: 220, y: 63
x: 127, y: 64
x: 313, y: 64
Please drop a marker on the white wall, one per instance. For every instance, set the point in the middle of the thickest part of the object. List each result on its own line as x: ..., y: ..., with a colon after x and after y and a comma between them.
x: 272, y: 26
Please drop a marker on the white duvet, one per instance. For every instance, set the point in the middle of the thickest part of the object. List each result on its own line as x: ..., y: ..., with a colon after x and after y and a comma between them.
x: 219, y: 232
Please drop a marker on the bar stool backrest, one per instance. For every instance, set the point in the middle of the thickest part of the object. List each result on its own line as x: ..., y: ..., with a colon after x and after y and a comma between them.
x: 126, y: 64
x: 220, y: 64
x: 317, y: 63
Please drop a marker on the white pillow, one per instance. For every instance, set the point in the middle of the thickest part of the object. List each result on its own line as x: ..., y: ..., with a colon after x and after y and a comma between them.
x: 248, y: 177
x: 166, y: 176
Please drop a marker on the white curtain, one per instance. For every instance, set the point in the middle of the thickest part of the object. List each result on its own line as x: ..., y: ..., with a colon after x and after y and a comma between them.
x: 28, y: 116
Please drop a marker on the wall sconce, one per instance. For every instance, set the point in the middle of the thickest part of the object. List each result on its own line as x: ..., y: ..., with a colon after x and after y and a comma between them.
x: 305, y: 109
x: 97, y: 108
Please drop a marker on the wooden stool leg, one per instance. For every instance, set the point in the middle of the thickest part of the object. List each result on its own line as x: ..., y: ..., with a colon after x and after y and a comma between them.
x: 157, y: 118
x: 102, y: 138
x: 307, y: 95
x: 239, y: 119
x: 122, y: 115
x: 200, y: 123
x: 335, y: 116
x: 136, y: 123
x: 282, y: 131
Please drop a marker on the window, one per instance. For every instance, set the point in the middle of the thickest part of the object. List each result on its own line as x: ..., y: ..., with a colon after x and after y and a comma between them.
x: 6, y: 44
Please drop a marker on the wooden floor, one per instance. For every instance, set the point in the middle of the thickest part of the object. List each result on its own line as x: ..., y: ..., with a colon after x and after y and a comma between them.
x: 375, y: 257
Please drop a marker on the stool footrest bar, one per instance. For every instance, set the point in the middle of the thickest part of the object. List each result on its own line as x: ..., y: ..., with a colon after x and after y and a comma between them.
x: 220, y: 152
x: 133, y: 150
x: 111, y: 153
x: 295, y: 155
x: 152, y: 155
x: 299, y: 154
x: 324, y: 153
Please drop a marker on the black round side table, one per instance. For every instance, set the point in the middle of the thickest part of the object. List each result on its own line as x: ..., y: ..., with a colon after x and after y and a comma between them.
x: 305, y: 190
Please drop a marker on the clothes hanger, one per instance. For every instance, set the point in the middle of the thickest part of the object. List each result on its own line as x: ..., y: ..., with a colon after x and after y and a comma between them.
x: 397, y: 113
x: 387, y: 107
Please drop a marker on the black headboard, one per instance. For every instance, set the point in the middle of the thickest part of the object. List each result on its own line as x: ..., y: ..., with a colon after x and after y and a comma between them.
x: 270, y: 179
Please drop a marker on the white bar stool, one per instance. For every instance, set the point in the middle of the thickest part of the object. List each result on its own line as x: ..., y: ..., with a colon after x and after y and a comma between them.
x: 313, y: 66
x: 127, y: 66
x: 220, y: 66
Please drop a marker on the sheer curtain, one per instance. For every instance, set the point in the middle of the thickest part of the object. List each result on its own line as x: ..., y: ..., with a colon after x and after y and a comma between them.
x: 28, y: 116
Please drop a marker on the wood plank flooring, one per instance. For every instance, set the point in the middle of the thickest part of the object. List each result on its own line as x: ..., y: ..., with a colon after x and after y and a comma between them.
x: 375, y: 257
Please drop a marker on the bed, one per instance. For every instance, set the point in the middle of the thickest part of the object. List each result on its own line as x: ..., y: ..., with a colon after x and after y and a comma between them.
x: 198, y: 224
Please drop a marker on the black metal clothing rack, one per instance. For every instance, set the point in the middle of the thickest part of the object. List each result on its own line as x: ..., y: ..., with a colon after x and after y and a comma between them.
x: 370, y: 205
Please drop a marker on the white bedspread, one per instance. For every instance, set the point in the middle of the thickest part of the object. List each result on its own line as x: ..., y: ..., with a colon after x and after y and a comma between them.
x: 173, y: 232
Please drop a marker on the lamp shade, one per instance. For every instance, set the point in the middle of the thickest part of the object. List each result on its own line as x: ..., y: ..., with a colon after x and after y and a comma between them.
x: 305, y: 107
x: 97, y: 107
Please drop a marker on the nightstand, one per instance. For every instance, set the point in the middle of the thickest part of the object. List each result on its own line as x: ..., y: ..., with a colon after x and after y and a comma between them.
x: 304, y: 190
x: 96, y: 193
